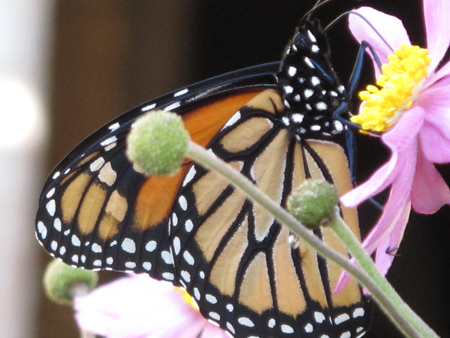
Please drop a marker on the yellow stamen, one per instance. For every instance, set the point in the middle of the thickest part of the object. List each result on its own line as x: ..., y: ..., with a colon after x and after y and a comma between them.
x: 187, y: 298
x: 396, y: 89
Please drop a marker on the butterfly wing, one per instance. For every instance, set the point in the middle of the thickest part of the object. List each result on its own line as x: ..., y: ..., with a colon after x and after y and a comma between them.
x: 247, y: 272
x: 97, y: 212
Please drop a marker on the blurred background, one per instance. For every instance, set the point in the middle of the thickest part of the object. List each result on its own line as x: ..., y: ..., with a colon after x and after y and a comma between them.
x: 68, y: 67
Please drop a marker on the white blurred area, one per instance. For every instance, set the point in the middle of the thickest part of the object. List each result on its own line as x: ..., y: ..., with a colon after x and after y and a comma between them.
x: 25, y: 43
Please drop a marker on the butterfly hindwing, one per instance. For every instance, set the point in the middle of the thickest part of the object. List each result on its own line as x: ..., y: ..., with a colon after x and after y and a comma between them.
x: 247, y: 272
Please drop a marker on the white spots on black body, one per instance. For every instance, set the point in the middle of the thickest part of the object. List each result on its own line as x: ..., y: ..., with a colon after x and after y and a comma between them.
x: 149, y: 107
x: 168, y: 276
x: 96, y: 248
x: 308, y: 62
x: 75, y: 240
x: 173, y: 106
x: 341, y: 318
x: 292, y: 71
x: 130, y: 265
x: 174, y: 220
x: 176, y: 245
x: 341, y: 89
x: 214, y: 315
x: 189, y: 225
x: 301, y: 80
x: 286, y: 103
x: 114, y: 126
x: 54, y: 245
x: 297, y: 117
x: 167, y: 257
x: 319, y: 317
x: 183, y: 202
x: 109, y: 140
x: 151, y: 246
x: 287, y: 328
x: 51, y: 207
x: 197, y: 295
x: 50, y: 193
x: 97, y: 164
x: 333, y: 93
x: 285, y: 120
x: 128, y: 245
x: 189, y: 176
x: 186, y: 276
x: 42, y: 230
x: 245, y: 321
x: 358, y: 312
x: 297, y: 98
x: 308, y: 92
x: 181, y: 92
x: 315, y: 81
x: 188, y: 258
x: 57, y: 224
x: 346, y: 334
x: 308, y: 106
x: 210, y: 298
x: 321, y: 106
x: 311, y: 36
x: 338, y: 126
x: 315, y: 49
x: 288, y: 89
x: 230, y: 328
x: 309, y: 328
x: 56, y: 175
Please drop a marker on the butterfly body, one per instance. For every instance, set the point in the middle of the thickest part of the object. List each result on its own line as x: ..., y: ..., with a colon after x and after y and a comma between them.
x: 274, y: 123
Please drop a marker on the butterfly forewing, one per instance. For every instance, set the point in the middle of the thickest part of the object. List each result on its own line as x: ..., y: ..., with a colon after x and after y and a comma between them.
x: 97, y: 212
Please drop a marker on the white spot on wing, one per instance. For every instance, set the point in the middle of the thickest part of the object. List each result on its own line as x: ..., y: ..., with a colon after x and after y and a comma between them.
x: 96, y: 248
x: 245, y: 321
x: 108, y: 141
x: 130, y: 265
x: 151, y: 246
x: 189, y: 176
x: 211, y: 299
x: 167, y: 257
x: 50, y: 193
x: 172, y: 106
x: 51, y: 207
x: 188, y: 258
x: 233, y: 119
x: 97, y: 164
x: 181, y: 92
x: 189, y: 225
x: 149, y: 107
x: 128, y: 245
x: 183, y: 202
x: 287, y: 329
x: 42, y: 230
x: 75, y: 240
x: 114, y: 126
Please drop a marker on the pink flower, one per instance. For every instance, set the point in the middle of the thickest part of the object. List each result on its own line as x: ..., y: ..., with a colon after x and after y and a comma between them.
x: 140, y: 307
x: 418, y: 131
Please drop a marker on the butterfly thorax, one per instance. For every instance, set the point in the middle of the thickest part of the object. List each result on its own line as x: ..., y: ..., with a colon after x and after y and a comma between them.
x: 310, y: 88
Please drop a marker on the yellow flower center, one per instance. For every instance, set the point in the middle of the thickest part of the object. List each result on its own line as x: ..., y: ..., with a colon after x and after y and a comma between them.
x: 396, y: 89
x: 187, y: 298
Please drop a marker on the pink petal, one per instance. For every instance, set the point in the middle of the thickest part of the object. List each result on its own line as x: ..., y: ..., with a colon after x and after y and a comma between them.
x: 436, y: 14
x: 399, y: 139
x: 389, y: 27
x: 429, y: 191
x: 435, y: 145
x: 387, y: 249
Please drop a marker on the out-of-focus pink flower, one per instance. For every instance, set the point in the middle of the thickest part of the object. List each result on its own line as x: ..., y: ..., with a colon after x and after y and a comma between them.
x: 140, y: 307
x: 418, y: 129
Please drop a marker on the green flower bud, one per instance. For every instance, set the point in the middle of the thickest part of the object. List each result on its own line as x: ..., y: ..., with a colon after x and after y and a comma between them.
x: 157, y: 143
x: 61, y: 279
x: 313, y: 202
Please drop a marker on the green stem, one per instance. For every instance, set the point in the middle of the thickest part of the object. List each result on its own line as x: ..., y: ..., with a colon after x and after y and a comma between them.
x: 211, y: 162
x: 399, y: 312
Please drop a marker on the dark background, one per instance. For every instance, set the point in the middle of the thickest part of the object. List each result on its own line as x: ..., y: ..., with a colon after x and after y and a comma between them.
x: 110, y: 55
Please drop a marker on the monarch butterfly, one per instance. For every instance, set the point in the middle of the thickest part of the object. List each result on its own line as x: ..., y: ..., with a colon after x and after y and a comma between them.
x: 277, y: 124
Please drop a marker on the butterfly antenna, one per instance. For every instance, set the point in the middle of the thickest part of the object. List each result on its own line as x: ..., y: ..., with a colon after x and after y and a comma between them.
x: 331, y: 24
x: 308, y: 14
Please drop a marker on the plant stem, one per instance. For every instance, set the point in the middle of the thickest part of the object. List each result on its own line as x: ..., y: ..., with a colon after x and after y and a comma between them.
x: 211, y: 162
